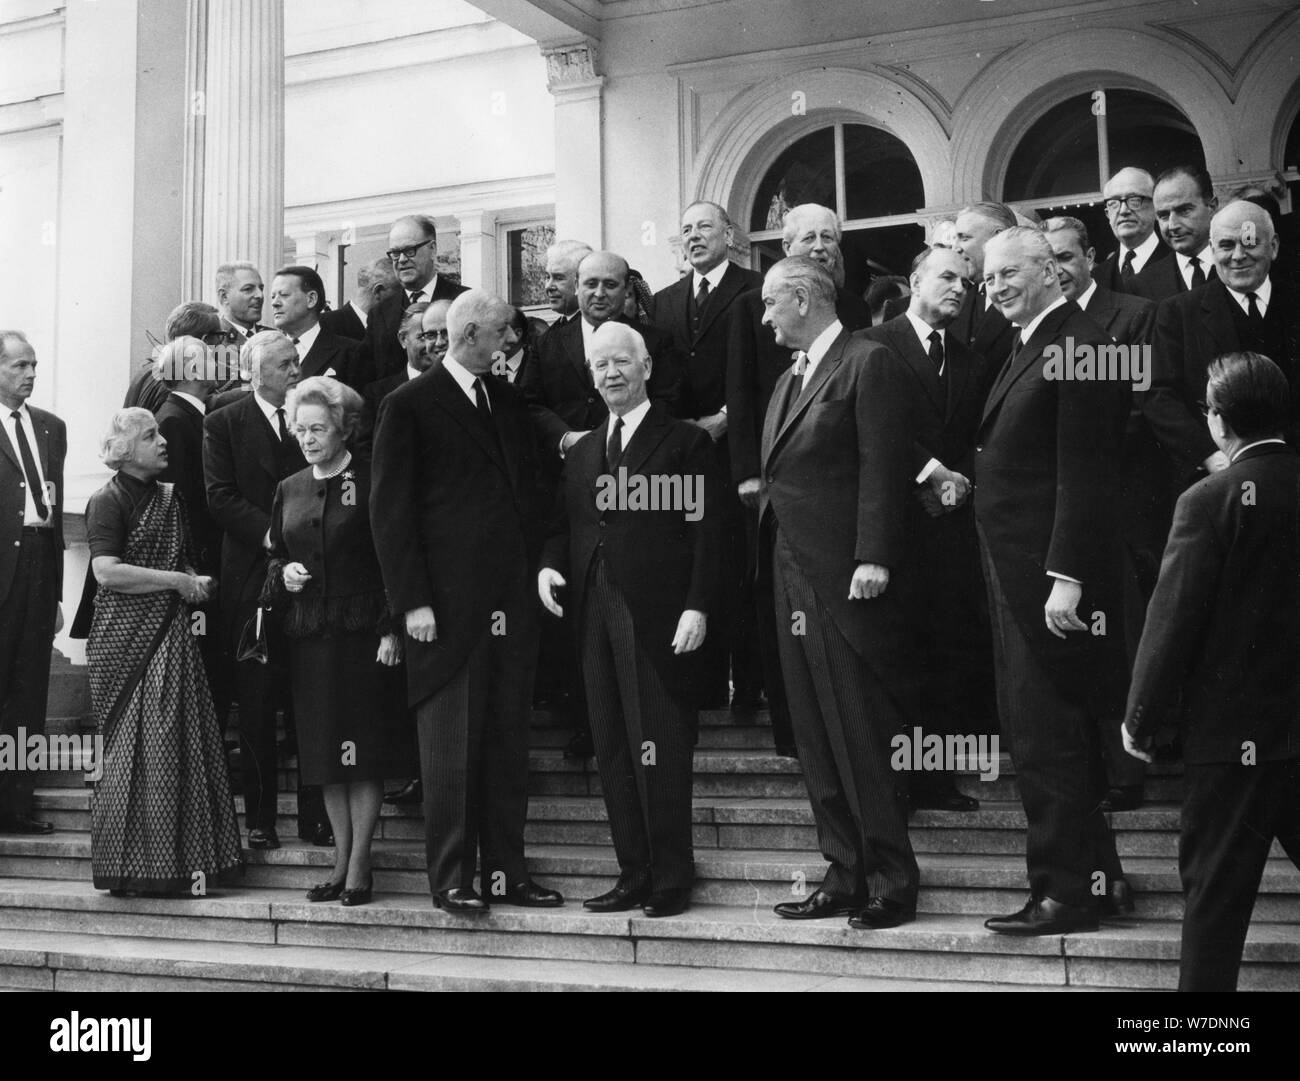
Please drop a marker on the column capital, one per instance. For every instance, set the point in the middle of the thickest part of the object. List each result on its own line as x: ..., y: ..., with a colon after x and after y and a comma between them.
x: 571, y: 69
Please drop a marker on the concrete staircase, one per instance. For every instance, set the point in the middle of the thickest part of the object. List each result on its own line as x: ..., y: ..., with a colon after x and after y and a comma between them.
x: 755, y: 846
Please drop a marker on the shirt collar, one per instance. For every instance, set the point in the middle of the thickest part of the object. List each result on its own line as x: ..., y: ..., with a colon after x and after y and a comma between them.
x: 1027, y: 332
x: 268, y: 411
x: 413, y: 373
x: 196, y: 402
x: 362, y: 314
x: 714, y: 277
x: 1257, y: 443
x: 1263, y: 293
x: 1205, y: 255
x: 631, y: 421
x: 1141, y: 253
x: 463, y: 376
x: 1085, y: 298
x: 823, y: 341
x: 306, y: 340
x: 425, y: 291
x: 924, y: 330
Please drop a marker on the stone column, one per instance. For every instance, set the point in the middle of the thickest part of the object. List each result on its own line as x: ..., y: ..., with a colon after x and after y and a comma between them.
x: 243, y: 145
x: 478, y: 250
x: 579, y: 168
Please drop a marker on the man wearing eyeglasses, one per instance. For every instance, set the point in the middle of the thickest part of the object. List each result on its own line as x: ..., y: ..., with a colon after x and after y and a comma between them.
x: 1130, y: 209
x: 413, y: 251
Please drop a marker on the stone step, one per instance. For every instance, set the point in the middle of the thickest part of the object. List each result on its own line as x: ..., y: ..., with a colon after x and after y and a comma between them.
x: 245, y: 927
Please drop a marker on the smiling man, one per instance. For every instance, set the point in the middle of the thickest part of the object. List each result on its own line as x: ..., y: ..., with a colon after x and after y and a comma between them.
x: 1047, y: 458
x: 562, y: 259
x: 297, y: 300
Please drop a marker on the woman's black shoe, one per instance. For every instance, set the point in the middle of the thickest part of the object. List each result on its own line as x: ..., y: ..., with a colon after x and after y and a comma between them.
x: 359, y: 896
x: 327, y: 891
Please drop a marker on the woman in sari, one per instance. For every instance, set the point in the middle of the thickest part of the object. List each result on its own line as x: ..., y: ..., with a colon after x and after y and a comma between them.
x: 162, y: 817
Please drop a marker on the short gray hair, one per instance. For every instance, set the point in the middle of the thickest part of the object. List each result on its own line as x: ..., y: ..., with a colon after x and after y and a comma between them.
x: 1073, y: 225
x: 571, y: 252
x: 803, y: 272
x: 790, y: 223
x: 250, y: 354
x: 343, y: 404
x: 118, y: 443
x: 226, y: 273
x: 182, y: 360
x: 5, y: 335
x: 1031, y: 240
x: 194, y: 318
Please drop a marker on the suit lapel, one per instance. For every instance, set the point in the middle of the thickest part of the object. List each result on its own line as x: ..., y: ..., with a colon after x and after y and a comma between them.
x: 724, y: 294
x: 317, y: 359
x: 507, y: 434
x: 649, y: 434
x: 262, y: 441
x: 908, y: 346
x: 677, y: 306
x: 1216, y: 317
x: 1029, y: 353
x: 577, y: 351
x: 455, y: 402
x: 11, y: 452
x: 824, y: 370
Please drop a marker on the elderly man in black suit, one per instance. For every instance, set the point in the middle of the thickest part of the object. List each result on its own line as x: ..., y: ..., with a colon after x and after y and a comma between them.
x: 1244, y: 308
x: 696, y: 311
x: 980, y: 324
x: 297, y: 300
x: 1184, y: 202
x: 33, y: 447
x: 833, y: 515
x: 1144, y: 471
x: 954, y: 665
x: 375, y: 280
x: 413, y: 251
x: 1046, y: 506
x: 562, y: 261
x: 247, y: 451
x: 1218, y: 661
x: 457, y: 514
x: 1130, y: 210
x: 644, y: 584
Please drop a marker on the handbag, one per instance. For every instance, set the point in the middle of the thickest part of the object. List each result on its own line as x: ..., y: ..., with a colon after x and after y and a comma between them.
x: 252, y: 639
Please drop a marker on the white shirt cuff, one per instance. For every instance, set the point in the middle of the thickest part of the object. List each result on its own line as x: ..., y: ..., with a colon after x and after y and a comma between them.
x: 1064, y: 578
x: 930, y: 467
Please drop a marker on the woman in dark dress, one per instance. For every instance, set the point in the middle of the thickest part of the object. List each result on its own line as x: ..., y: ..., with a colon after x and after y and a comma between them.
x: 324, y: 574
x: 162, y: 817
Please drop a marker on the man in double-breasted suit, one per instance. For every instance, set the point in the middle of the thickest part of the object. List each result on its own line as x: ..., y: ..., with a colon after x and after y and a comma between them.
x: 833, y: 520
x: 33, y: 447
x: 457, y: 517
x: 645, y: 590
x: 1046, y: 507
x: 1218, y: 662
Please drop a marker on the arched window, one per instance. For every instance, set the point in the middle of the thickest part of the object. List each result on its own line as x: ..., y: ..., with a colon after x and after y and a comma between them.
x: 865, y: 175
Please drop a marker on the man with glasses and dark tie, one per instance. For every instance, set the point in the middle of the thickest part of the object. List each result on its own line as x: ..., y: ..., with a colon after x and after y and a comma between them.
x: 32, y: 450
x: 1130, y: 210
x: 413, y: 251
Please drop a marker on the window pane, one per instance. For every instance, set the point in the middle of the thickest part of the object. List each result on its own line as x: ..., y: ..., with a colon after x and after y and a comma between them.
x: 527, y: 255
x: 880, y: 175
x: 873, y: 253
x: 804, y: 173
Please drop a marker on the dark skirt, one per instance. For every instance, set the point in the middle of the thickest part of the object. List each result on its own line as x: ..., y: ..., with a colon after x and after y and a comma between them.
x: 350, y: 710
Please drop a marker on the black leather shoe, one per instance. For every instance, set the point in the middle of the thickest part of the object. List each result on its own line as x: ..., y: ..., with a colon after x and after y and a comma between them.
x: 531, y: 895
x: 945, y: 799
x: 820, y: 906
x: 410, y: 793
x: 1043, y: 916
x: 879, y: 913
x: 580, y: 746
x: 358, y: 896
x: 667, y: 903
x: 321, y: 836
x: 263, y: 839
x: 1119, y: 901
x: 1123, y: 798
x: 326, y: 891
x: 462, y: 901
x: 628, y: 893
x: 24, y: 824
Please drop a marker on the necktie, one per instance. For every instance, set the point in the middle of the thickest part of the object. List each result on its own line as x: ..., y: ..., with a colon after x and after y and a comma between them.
x: 800, y: 362
x: 701, y: 299
x: 481, y: 402
x: 29, y: 468
x: 416, y: 297
x: 936, y: 351
x: 614, y: 448
x: 1252, y: 308
x: 279, y: 422
x: 1126, y: 271
x: 1198, y: 274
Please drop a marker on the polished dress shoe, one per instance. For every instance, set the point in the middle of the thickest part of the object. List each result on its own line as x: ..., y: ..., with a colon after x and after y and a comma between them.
x: 627, y: 894
x: 1119, y: 901
x: 360, y: 895
x: 326, y: 891
x: 667, y: 903
x: 410, y: 793
x: 531, y: 895
x: 263, y: 839
x: 879, y: 913
x: 820, y: 906
x: 1122, y: 798
x: 947, y: 798
x: 580, y: 747
x: 25, y: 824
x: 1043, y: 916
x: 461, y: 901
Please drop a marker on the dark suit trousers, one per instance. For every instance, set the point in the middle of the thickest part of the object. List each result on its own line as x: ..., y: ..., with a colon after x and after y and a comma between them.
x: 769, y: 652
x: 26, y: 639
x: 474, y: 757
x: 843, y: 720
x: 1057, y: 755
x: 1231, y: 813
x: 649, y: 803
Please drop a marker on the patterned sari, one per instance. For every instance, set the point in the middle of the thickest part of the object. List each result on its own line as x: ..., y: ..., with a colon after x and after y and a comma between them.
x: 162, y: 817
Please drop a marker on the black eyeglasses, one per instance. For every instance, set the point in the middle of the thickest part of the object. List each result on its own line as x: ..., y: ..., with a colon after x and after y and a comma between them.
x: 395, y: 254
x: 1133, y: 202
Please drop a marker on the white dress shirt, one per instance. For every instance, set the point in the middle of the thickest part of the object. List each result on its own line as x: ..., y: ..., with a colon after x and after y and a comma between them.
x: 361, y: 313
x: 1262, y: 296
x: 304, y: 341
x: 268, y: 411
x: 820, y: 346
x: 1086, y: 296
x: 923, y: 332
x: 464, y: 379
x: 631, y: 422
x: 1205, y: 255
x: 30, y: 517
x: 1141, y: 254
x: 714, y: 278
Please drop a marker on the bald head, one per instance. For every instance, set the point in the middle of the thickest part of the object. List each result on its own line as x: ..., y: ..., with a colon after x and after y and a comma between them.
x: 478, y: 327
x: 620, y: 366
x: 1127, y: 197
x: 602, y: 286
x: 1244, y: 245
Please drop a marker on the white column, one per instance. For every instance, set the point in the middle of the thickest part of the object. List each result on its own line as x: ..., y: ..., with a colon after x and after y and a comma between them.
x: 478, y: 251
x: 243, y: 161
x: 579, y: 167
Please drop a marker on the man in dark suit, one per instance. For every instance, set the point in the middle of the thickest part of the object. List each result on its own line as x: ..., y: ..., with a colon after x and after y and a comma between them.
x: 297, y: 299
x: 1218, y: 660
x: 1127, y: 197
x: 954, y: 666
x: 754, y: 363
x: 193, y: 319
x: 1242, y: 309
x: 33, y: 447
x: 696, y: 311
x: 1144, y: 472
x: 980, y: 324
x: 240, y: 296
x: 1184, y: 203
x: 247, y: 451
x: 833, y: 516
x: 645, y: 581
x: 457, y: 512
x: 562, y: 261
x: 1046, y: 507
x: 420, y: 356
x: 413, y: 251
x: 375, y: 280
